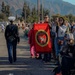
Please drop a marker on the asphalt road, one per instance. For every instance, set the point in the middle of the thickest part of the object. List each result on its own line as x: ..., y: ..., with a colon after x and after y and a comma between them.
x: 24, y: 65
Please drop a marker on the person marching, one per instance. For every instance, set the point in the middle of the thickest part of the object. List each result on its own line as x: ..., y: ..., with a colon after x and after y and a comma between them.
x: 47, y: 56
x: 12, y: 38
x: 31, y: 42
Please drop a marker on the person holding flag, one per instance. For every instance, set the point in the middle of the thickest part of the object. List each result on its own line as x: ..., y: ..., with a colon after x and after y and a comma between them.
x: 42, y: 39
x: 47, y: 56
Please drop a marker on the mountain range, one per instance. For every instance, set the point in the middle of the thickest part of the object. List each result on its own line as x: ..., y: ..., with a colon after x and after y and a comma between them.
x: 54, y: 6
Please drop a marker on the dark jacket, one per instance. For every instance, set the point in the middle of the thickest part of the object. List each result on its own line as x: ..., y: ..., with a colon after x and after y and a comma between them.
x: 11, y: 33
x: 68, y: 49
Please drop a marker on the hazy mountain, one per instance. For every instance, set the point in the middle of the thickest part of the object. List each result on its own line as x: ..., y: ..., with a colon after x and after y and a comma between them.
x: 55, y: 6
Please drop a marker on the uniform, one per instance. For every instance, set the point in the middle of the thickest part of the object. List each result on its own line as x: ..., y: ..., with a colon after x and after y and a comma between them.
x: 12, y: 38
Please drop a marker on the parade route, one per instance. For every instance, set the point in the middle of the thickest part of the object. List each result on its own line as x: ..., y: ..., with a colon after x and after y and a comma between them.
x: 24, y: 64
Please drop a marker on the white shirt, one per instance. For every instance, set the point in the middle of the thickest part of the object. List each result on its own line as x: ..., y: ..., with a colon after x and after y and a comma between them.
x: 70, y: 36
x: 61, y: 31
x: 53, y: 28
x: 2, y: 26
x: 74, y: 31
x: 26, y: 28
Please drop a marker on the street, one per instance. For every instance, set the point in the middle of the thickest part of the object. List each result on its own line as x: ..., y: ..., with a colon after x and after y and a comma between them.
x: 24, y: 65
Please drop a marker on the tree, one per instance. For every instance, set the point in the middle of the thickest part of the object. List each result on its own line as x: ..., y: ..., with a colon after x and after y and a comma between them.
x: 34, y: 11
x: 71, y: 18
x: 7, y: 10
x: 3, y: 16
x: 33, y: 17
x: 28, y: 11
x: 3, y: 7
x: 46, y: 12
x: 24, y: 10
x: 34, y: 14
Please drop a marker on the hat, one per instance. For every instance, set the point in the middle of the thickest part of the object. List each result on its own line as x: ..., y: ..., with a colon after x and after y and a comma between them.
x: 11, y: 18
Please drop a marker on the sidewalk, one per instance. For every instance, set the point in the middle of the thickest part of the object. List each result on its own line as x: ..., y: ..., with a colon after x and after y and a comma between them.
x: 24, y: 65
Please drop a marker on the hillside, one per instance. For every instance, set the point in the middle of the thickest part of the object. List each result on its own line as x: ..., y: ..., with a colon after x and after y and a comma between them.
x: 55, y: 6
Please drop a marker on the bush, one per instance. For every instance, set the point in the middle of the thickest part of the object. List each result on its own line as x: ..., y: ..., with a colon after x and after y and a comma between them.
x: 3, y: 16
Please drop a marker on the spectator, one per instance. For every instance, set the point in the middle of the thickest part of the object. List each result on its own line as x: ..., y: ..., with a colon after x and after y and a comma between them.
x: 2, y: 27
x: 53, y: 35
x: 61, y: 31
x: 31, y: 42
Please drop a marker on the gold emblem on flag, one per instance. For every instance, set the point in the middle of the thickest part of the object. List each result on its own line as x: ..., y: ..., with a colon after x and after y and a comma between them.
x: 42, y: 38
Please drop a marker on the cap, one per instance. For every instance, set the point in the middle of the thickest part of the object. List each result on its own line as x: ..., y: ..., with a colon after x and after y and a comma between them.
x: 11, y: 18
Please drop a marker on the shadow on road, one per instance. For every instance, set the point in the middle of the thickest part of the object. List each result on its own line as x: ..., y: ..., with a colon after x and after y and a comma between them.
x: 23, y: 47
x: 25, y: 72
x: 24, y: 66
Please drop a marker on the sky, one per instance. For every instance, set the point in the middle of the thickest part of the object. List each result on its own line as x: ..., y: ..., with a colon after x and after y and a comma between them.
x: 70, y: 1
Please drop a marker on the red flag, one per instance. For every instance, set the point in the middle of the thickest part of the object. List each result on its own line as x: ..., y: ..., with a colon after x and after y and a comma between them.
x: 42, y: 40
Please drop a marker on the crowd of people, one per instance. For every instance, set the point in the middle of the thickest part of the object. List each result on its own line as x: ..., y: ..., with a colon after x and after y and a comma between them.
x: 62, y: 34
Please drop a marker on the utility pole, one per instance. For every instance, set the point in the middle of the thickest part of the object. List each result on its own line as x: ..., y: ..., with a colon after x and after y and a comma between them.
x: 38, y: 8
x: 25, y: 15
x: 42, y: 9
